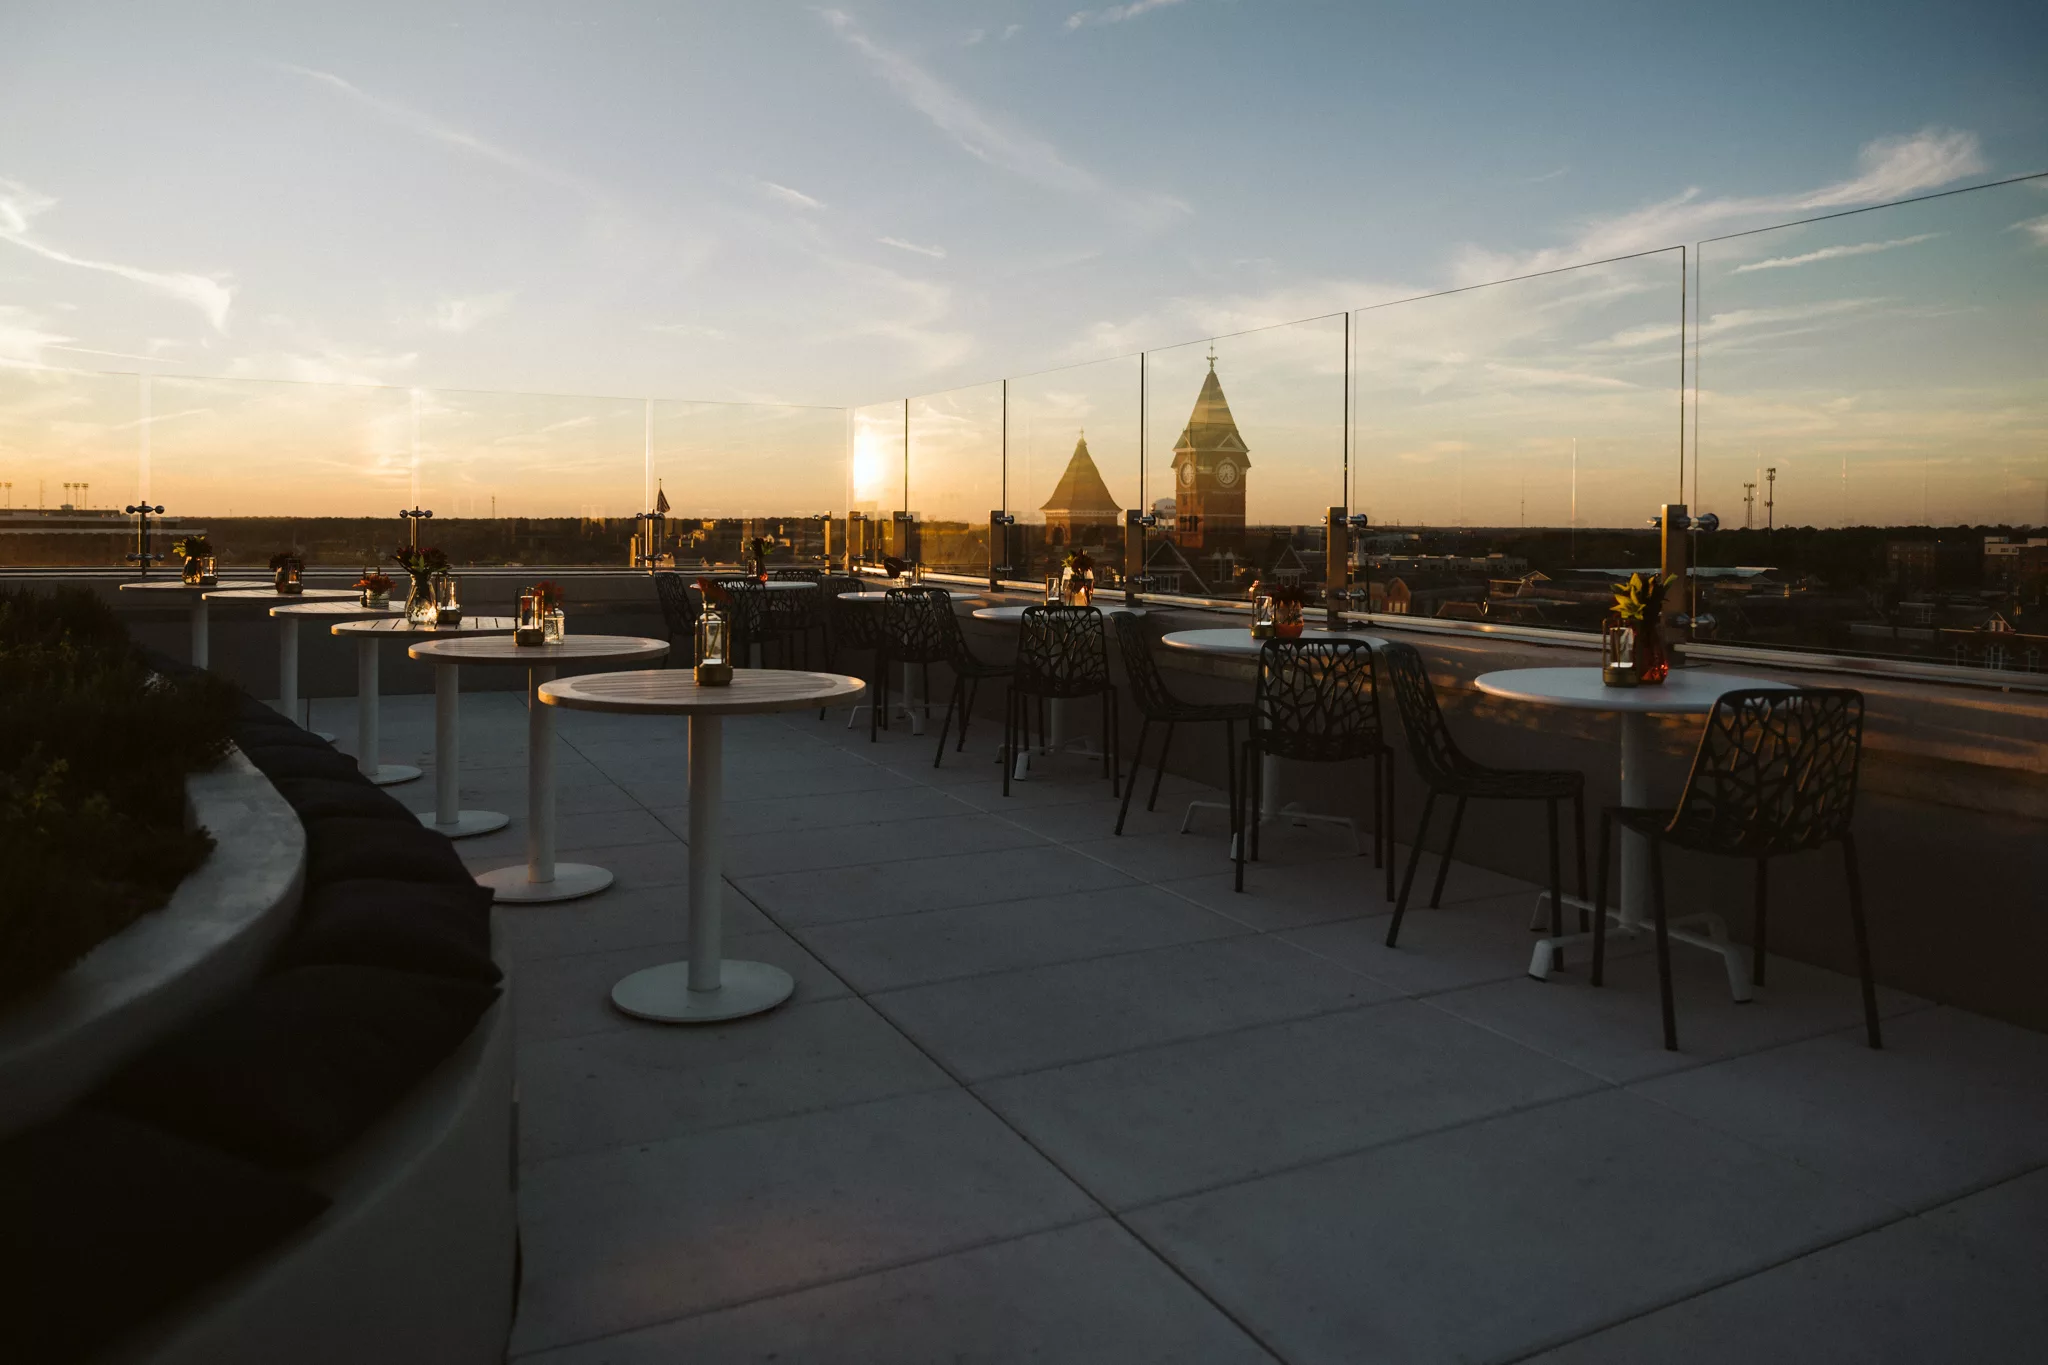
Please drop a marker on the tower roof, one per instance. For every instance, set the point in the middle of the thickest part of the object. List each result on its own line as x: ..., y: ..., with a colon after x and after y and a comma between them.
x: 1211, y: 427
x: 1081, y: 491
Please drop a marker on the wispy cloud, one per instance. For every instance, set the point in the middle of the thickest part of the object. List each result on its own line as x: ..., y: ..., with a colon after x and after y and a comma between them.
x: 784, y: 194
x: 463, y: 314
x: 20, y: 205
x: 2037, y: 228
x: 980, y: 136
x: 1115, y: 14
x: 1733, y: 320
x: 1547, y: 175
x: 695, y: 331
x: 937, y: 253
x: 426, y: 125
x: 23, y: 336
x: 1888, y: 168
x: 1835, y: 253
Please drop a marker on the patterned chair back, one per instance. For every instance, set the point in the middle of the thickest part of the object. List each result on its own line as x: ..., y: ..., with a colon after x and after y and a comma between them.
x: 1775, y: 772
x: 1061, y: 652
x: 678, y: 608
x: 1435, y: 753
x: 914, y: 622
x: 1316, y: 700
x: 1148, y: 686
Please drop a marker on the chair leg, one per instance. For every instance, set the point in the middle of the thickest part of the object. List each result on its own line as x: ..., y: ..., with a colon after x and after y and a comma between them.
x: 1239, y: 835
x: 1109, y: 769
x: 1230, y: 760
x: 1556, y: 877
x: 1389, y: 835
x: 1579, y: 838
x: 1862, y: 929
x: 1757, y: 952
x: 1663, y: 944
x: 973, y: 695
x: 1116, y: 741
x: 1443, y: 869
x: 1158, y: 774
x: 1414, y: 858
x: 878, y: 699
x: 1137, y: 763
x: 1009, y: 735
x: 1379, y: 788
x: 1600, y: 900
x: 953, y: 703
x: 1257, y: 804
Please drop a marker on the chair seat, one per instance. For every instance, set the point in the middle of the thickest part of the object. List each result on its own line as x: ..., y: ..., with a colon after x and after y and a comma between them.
x: 967, y: 666
x: 1514, y: 784
x: 1181, y: 713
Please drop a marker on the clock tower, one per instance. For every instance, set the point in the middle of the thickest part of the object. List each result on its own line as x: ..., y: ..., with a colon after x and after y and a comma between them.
x: 1209, y: 464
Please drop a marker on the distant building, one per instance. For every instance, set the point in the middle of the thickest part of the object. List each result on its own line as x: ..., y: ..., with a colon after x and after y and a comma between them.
x: 2019, y: 567
x: 1081, y: 510
x: 1210, y: 461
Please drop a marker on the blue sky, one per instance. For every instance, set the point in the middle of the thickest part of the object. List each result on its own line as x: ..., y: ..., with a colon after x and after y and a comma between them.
x: 835, y: 205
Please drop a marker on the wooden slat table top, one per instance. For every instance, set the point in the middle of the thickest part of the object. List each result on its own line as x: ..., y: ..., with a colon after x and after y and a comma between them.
x: 674, y: 691
x: 271, y: 594
x: 1238, y: 642
x: 353, y: 607
x: 576, y: 649
x: 398, y: 625
x: 180, y: 586
x: 956, y: 594
x: 1015, y: 611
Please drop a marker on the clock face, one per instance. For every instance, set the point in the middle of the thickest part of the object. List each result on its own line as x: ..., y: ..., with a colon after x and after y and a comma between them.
x: 1187, y: 474
x: 1226, y: 473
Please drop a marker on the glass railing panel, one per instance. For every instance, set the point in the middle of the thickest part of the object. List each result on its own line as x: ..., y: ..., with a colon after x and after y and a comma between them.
x: 731, y: 473
x: 1074, y: 466
x: 73, y: 448
x: 320, y: 470
x: 1244, y: 455
x: 956, y: 476
x: 1873, y: 431
x: 1512, y: 441
x: 876, y: 475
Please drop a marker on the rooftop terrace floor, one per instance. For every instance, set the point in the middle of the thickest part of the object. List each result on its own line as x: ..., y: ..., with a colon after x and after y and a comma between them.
x: 1045, y: 1094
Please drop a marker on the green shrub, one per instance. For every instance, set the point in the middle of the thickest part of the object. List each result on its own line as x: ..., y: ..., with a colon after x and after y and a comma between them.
x: 94, y: 750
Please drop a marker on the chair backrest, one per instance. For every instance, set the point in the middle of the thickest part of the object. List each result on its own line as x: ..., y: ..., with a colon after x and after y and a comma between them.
x: 1148, y: 685
x: 678, y: 608
x: 1436, y: 754
x: 1775, y: 771
x: 749, y: 606
x: 914, y: 624
x: 854, y: 625
x: 1316, y: 700
x: 1061, y: 652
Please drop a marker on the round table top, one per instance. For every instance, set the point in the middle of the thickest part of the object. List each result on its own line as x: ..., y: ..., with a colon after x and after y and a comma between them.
x: 353, y: 607
x: 179, y: 585
x: 398, y: 625
x: 674, y: 691
x: 1238, y: 642
x: 772, y: 585
x: 468, y: 648
x: 956, y: 594
x: 271, y: 594
x: 1688, y: 691
x: 1014, y: 611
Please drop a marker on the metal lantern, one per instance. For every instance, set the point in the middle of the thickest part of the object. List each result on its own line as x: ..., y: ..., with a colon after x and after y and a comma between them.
x: 1262, y: 617
x: 528, y: 629
x: 714, y: 647
x: 1052, y: 589
x: 1618, y: 653
x: 448, y: 599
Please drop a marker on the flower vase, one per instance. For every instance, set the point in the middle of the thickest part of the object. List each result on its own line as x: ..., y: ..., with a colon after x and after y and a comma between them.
x: 419, y: 602
x: 192, y: 571
x: 1653, y: 665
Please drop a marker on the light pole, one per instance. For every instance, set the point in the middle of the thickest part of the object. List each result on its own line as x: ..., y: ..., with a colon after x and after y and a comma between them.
x: 1770, y: 499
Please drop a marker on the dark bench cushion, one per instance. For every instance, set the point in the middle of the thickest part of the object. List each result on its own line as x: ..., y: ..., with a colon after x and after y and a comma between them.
x: 342, y: 848
x: 109, y: 1221
x: 297, y: 1069
x: 434, y: 927
x: 293, y: 760
x: 316, y: 798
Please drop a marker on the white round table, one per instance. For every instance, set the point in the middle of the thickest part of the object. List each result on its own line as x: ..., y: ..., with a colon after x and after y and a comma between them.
x: 1014, y: 611
x: 349, y: 607
x: 882, y: 595
x: 1687, y: 692
x: 705, y: 988
x: 194, y: 595
x: 1234, y: 642
x: 541, y: 879
x: 447, y: 816
x: 772, y: 585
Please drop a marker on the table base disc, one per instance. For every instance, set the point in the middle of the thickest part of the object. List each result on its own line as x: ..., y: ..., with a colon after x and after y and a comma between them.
x: 662, y: 995
x: 391, y: 774
x: 467, y: 824
x: 572, y: 880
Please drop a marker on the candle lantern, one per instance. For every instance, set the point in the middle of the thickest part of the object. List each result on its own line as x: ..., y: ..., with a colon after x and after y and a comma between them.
x: 1052, y: 589
x: 1262, y: 617
x: 448, y: 599
x: 527, y: 630
x: 714, y: 646
x: 1618, y: 653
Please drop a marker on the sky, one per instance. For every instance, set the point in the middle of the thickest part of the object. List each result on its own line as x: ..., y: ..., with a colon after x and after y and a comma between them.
x: 841, y: 205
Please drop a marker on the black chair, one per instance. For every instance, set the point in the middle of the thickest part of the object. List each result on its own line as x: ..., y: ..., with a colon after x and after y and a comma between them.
x: 1446, y: 771
x: 1156, y: 702
x: 758, y: 621
x: 1775, y: 773
x: 678, y: 614
x: 912, y: 635
x: 848, y: 626
x: 1317, y: 701
x: 1061, y: 655
x: 969, y: 672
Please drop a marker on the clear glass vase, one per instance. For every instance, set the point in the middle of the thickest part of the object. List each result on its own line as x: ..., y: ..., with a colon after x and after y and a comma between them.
x: 419, y: 602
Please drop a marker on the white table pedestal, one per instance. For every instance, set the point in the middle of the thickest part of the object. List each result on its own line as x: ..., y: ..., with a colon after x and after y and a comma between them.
x: 367, y: 736
x: 447, y: 816
x: 200, y: 652
x: 706, y: 988
x: 542, y: 880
